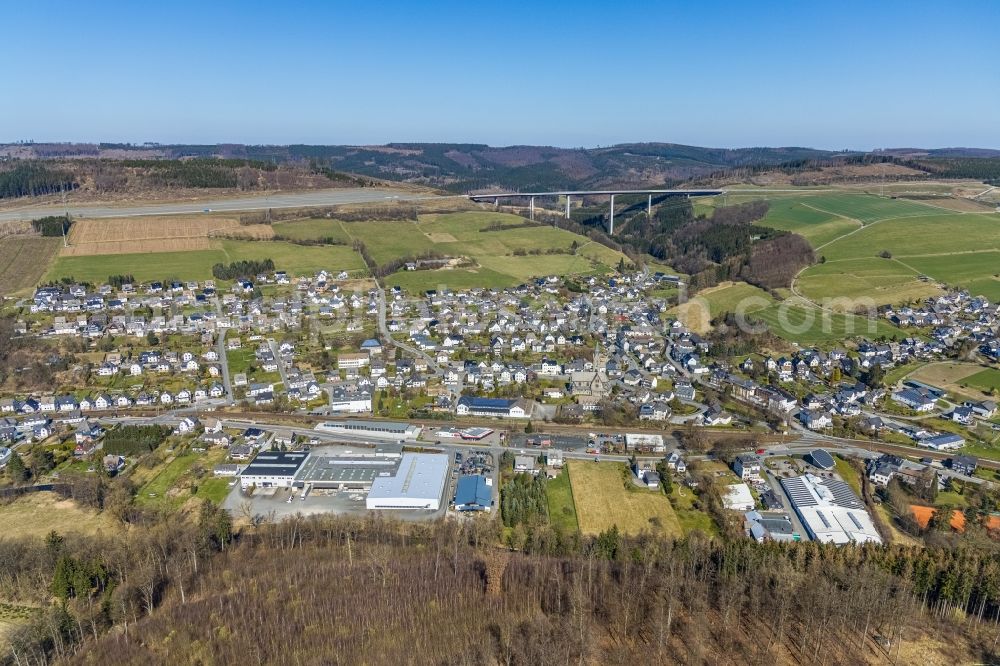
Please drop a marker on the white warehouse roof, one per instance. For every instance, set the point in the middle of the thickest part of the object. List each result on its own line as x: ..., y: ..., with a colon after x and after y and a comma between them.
x: 830, y: 511
x: 417, y: 484
x: 738, y: 497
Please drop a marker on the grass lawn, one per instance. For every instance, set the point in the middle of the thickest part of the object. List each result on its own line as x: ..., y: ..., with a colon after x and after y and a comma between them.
x: 848, y: 474
x: 603, y: 500
x: 296, y: 259
x: 197, y: 264
x: 191, y: 265
x: 465, y: 235
x: 981, y: 450
x: 416, y: 282
x: 37, y: 514
x: 690, y: 518
x: 13, y: 616
x: 215, y: 489
x: 865, y: 208
x: 797, y: 216
x: 933, y: 235
x: 949, y: 498
x: 951, y: 377
x: 810, y: 326
x: 156, y: 489
x: 882, y: 280
x: 562, y: 510
x: 698, y: 312
x: 452, y: 234
x: 312, y: 229
x: 523, y: 268
x: 985, y: 380
x: 240, y: 359
x: 959, y: 249
x: 901, y: 371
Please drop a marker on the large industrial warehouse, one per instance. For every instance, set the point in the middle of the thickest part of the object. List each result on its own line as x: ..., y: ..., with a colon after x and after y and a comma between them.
x: 417, y: 484
x: 830, y: 511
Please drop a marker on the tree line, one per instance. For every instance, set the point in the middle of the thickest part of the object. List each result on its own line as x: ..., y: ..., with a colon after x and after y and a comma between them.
x: 29, y: 179
x: 134, y: 440
x: 242, y: 270
x: 523, y: 500
x: 117, y: 281
x: 52, y: 225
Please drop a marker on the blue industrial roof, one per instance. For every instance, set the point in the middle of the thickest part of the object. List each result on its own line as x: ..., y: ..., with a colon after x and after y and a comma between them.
x: 473, y: 491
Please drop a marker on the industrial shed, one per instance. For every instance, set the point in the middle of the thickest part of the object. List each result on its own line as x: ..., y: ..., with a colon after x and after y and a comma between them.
x: 417, y: 484
x: 473, y: 494
x: 272, y: 469
x: 373, y: 429
x: 345, y: 472
x: 830, y: 511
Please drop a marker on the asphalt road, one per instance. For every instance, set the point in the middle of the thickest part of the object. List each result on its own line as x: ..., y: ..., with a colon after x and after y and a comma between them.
x: 246, y: 203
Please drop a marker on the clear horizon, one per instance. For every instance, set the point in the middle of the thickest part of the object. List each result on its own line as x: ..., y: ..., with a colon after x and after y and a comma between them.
x: 831, y: 76
x: 491, y: 145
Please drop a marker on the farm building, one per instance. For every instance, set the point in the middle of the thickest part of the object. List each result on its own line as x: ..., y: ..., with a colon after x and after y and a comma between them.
x: 417, y: 484
x: 272, y: 469
x: 830, y: 511
x: 473, y: 493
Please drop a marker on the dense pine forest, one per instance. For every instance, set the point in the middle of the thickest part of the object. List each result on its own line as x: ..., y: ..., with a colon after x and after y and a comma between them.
x: 34, y: 179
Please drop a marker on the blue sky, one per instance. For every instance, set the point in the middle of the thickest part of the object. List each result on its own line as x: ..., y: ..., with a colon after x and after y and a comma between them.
x: 822, y: 74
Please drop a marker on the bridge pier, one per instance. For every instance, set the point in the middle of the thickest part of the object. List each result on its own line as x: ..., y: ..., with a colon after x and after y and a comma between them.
x: 649, y: 208
x: 567, y: 206
x: 531, y: 209
x: 496, y: 203
x: 611, y: 217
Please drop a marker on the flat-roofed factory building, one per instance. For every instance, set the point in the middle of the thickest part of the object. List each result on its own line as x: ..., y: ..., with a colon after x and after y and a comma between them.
x: 395, y: 430
x: 272, y: 469
x: 345, y: 472
x: 830, y: 511
x: 418, y: 483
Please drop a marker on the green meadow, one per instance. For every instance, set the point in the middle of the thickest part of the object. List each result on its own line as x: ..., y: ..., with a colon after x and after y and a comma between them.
x: 197, y: 264
x: 499, y: 258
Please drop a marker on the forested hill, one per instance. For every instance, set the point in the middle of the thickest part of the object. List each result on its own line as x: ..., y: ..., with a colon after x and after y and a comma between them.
x: 464, y: 167
x: 109, y: 178
x: 327, y: 590
x: 478, y: 167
